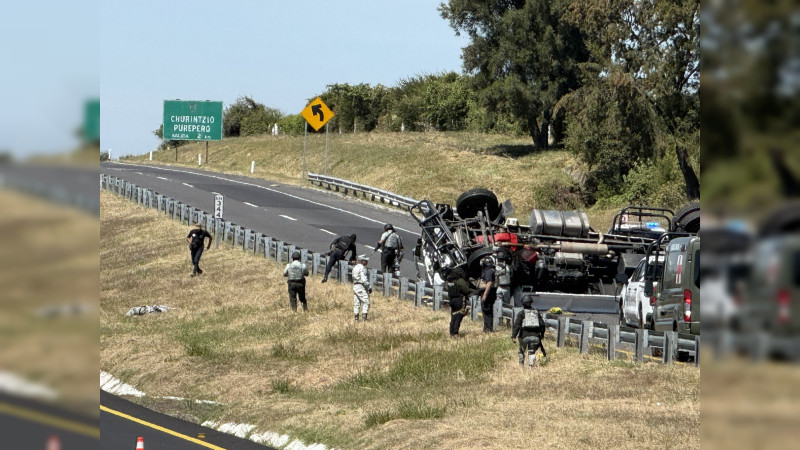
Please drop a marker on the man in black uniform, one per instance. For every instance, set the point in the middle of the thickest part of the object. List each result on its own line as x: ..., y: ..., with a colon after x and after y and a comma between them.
x: 339, y: 247
x: 489, y: 295
x: 296, y: 272
x: 457, y: 292
x: 196, y: 238
x: 529, y: 325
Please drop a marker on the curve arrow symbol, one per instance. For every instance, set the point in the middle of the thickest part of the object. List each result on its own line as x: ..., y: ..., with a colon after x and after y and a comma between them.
x: 317, y: 109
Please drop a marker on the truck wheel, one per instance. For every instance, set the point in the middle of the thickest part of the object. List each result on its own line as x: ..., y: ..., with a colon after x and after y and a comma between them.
x: 687, y: 218
x: 474, y: 200
x: 474, y: 261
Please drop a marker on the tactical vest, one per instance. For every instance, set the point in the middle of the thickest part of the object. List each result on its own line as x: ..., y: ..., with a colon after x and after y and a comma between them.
x: 392, y: 241
x: 296, y: 269
x: 531, y: 320
x: 503, y: 274
x: 343, y: 244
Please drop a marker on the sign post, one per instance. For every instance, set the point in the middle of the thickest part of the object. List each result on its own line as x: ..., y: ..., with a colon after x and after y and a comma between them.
x: 218, y: 200
x: 316, y: 114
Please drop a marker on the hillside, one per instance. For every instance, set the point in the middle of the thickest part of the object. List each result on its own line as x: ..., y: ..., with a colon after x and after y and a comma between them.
x: 436, y: 166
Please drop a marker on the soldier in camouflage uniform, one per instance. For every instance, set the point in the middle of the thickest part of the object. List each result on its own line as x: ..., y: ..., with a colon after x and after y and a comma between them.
x: 361, y: 288
x: 296, y: 273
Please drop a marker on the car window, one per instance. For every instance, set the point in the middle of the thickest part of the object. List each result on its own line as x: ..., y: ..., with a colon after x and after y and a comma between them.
x: 639, y: 272
x: 673, y: 272
x: 697, y: 268
x: 765, y: 264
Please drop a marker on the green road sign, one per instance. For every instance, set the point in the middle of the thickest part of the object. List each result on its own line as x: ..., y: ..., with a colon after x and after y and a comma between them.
x: 186, y: 120
x: 91, y: 121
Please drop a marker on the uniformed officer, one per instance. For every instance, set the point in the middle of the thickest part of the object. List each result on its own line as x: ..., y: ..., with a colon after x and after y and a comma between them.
x: 489, y: 296
x: 503, y: 277
x: 457, y: 292
x: 390, y: 245
x: 196, y: 238
x: 529, y: 325
x: 296, y: 272
x: 361, y: 288
x: 339, y: 247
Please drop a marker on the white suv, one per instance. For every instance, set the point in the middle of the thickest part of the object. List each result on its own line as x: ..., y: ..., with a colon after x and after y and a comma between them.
x: 635, y: 307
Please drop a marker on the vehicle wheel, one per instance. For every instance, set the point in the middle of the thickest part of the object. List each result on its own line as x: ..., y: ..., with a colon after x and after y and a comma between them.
x: 783, y: 220
x: 687, y: 218
x: 474, y: 261
x: 474, y: 200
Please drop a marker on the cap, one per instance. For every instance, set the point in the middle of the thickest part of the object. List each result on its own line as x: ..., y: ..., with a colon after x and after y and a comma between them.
x: 295, y: 255
x: 388, y: 227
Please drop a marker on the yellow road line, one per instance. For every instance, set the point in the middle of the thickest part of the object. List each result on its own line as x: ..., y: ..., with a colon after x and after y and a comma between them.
x: 47, y: 419
x: 160, y: 428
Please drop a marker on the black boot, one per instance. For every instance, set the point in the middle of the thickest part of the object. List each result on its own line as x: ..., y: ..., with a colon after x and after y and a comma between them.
x: 356, y: 316
x: 365, y: 317
x: 324, y: 279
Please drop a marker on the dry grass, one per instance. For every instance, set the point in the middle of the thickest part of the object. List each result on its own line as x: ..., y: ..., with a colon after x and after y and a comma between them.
x: 437, y: 166
x: 395, y: 381
x: 49, y: 259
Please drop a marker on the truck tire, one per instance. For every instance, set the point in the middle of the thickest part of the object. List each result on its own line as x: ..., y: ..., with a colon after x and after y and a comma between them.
x: 474, y: 261
x: 687, y: 218
x: 471, y: 202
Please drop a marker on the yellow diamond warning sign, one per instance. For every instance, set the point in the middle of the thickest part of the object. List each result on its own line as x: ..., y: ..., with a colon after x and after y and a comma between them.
x: 317, y: 113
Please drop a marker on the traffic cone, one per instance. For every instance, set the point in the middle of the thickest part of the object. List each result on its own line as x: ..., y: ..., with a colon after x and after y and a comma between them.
x: 53, y: 443
x: 140, y: 443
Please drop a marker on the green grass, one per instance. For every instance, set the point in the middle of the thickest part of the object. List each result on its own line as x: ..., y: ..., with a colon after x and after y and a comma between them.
x: 408, y: 409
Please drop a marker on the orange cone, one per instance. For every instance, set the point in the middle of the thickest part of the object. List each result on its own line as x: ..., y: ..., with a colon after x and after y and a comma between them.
x: 53, y: 443
x: 140, y: 443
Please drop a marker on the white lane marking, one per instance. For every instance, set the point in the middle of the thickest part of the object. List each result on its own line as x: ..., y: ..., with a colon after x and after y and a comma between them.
x: 140, y: 173
x: 326, y: 231
x: 370, y: 247
x: 250, y: 204
x: 287, y: 217
x: 187, y: 184
x: 162, y: 178
x: 277, y: 192
x: 274, y: 185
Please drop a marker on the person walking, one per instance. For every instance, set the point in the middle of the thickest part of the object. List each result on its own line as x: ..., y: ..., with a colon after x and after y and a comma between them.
x: 457, y: 292
x: 361, y: 288
x: 339, y: 247
x: 529, y: 325
x: 196, y: 239
x: 390, y: 245
x: 296, y: 272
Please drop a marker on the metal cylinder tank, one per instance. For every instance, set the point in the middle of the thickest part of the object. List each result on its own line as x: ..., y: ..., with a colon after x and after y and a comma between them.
x: 559, y: 223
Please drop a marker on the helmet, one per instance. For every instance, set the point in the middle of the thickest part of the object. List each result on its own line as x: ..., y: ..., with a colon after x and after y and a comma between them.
x: 487, y: 262
x: 353, y: 237
x: 388, y: 227
x: 295, y: 255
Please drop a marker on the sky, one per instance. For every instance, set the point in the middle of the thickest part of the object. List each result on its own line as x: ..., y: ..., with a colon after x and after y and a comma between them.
x: 281, y: 54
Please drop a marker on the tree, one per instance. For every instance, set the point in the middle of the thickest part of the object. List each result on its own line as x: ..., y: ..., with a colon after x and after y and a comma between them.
x: 168, y: 143
x: 523, y: 55
x: 248, y: 117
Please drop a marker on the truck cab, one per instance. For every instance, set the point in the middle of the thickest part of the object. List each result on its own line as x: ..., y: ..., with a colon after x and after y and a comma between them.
x: 676, y: 293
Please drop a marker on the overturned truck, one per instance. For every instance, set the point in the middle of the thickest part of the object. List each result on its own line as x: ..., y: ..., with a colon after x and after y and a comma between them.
x: 558, y: 255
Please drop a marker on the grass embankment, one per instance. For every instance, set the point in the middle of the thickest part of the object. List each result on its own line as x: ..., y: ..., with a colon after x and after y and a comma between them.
x: 435, y: 166
x: 395, y: 381
x: 49, y: 263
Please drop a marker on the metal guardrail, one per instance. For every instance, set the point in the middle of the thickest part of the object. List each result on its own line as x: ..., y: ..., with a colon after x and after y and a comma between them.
x: 52, y: 192
x: 389, y: 285
x: 372, y: 193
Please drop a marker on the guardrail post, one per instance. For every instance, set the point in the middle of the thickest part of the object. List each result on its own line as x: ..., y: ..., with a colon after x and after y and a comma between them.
x: 304, y: 257
x: 640, y: 343
x: 246, y: 240
x: 563, y: 329
x: 474, y: 306
x: 420, y: 291
x: 279, y: 249
x: 267, y: 245
x: 342, y: 271
x: 401, y: 291
x: 670, y: 346
x: 291, y: 250
x: 584, y: 342
x: 314, y: 263
x: 158, y: 201
x: 387, y: 284
x: 613, y: 336
x: 437, y: 297
x: 372, y: 275
x: 697, y: 350
x: 760, y: 344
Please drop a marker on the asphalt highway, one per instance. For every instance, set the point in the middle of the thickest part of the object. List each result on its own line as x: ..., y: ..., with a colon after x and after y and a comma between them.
x: 306, y: 217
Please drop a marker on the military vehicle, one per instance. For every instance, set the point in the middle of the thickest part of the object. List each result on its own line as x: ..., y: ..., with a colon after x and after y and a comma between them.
x: 675, y: 292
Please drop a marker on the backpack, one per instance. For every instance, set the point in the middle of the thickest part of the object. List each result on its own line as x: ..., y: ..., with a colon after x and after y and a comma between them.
x: 393, y: 240
x: 344, y: 243
x: 531, y: 320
